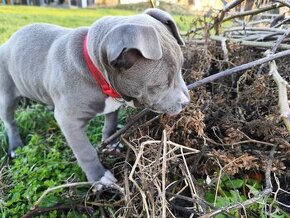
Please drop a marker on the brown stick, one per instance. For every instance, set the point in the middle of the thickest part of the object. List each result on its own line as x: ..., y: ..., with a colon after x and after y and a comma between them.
x: 250, y: 43
x: 253, y: 12
x: 275, y: 47
x: 151, y: 2
x: 282, y: 94
x: 219, y: 19
x: 124, y: 129
x: 284, y: 2
x: 200, y: 83
x: 238, y: 69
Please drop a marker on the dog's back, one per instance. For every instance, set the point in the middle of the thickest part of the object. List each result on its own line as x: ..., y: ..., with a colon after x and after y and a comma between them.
x: 26, y: 59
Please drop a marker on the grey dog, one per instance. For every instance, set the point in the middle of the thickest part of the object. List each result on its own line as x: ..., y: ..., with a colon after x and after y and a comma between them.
x: 138, y: 56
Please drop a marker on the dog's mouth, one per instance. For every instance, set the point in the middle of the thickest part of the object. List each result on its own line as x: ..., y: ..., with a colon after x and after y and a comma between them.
x: 171, y: 111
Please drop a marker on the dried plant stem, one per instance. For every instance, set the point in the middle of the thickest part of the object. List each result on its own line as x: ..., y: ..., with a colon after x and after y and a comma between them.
x: 152, y: 4
x: 284, y: 2
x: 282, y: 94
x: 164, y: 169
x: 255, y: 44
x: 238, y: 69
x: 138, y: 157
x: 253, y: 12
x: 279, y: 41
x: 127, y: 126
x: 221, y: 15
x: 36, y: 204
x: 275, y: 47
x: 225, y: 49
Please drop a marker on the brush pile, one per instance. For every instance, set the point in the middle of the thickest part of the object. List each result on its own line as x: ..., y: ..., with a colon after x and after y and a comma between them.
x: 235, y: 128
x: 228, y: 130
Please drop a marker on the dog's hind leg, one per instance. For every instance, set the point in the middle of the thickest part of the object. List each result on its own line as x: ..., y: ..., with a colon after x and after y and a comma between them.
x: 8, y: 102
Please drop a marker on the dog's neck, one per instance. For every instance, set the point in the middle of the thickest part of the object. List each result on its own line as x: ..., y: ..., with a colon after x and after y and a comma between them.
x: 97, y: 74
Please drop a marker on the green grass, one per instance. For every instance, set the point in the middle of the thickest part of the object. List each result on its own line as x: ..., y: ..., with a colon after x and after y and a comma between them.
x: 45, y: 160
x: 14, y: 17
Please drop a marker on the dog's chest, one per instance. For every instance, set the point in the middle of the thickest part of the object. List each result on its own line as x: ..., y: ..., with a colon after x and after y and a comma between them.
x: 111, y: 105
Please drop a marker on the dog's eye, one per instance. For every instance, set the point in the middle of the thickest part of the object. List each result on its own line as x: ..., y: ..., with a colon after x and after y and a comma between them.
x: 155, y: 88
x: 159, y: 86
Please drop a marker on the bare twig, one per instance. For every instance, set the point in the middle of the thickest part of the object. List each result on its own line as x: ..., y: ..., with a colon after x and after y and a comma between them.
x: 279, y: 41
x: 282, y: 94
x: 275, y: 47
x: 253, y: 12
x: 250, y: 43
x: 255, y: 30
x: 152, y: 4
x: 284, y: 2
x: 164, y: 169
x: 238, y: 69
x: 281, y: 23
x: 127, y: 126
x: 37, y: 203
x: 219, y: 19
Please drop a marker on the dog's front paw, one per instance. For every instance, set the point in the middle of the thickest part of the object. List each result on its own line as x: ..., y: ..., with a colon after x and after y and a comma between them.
x: 106, y: 180
x: 12, y: 154
x: 114, y: 147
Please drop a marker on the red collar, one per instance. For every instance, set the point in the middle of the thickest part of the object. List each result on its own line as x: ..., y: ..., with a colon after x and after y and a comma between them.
x: 96, y: 73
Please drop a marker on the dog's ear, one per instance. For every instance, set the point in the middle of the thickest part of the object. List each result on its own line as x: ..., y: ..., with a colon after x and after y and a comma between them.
x: 125, y: 44
x: 166, y: 19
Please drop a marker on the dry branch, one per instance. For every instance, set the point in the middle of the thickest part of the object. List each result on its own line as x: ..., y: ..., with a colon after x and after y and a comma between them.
x: 250, y: 43
x: 253, y: 12
x: 238, y: 69
x: 164, y: 170
x: 282, y: 94
x: 37, y: 203
x: 284, y: 2
x: 124, y: 129
x: 219, y: 19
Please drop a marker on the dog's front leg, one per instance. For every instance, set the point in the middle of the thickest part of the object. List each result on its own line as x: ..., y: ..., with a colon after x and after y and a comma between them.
x: 110, y: 127
x: 87, y: 157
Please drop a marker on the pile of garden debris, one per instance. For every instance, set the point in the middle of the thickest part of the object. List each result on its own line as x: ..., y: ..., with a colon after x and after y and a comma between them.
x: 231, y: 130
x: 228, y: 152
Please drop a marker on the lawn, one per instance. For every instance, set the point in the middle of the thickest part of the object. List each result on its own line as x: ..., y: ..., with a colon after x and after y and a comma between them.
x: 12, y: 18
x: 45, y: 160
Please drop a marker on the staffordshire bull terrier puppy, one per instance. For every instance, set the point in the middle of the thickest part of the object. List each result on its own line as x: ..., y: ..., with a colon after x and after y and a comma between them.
x: 92, y: 71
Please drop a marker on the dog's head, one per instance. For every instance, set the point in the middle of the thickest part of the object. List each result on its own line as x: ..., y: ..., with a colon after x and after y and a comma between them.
x: 144, y: 60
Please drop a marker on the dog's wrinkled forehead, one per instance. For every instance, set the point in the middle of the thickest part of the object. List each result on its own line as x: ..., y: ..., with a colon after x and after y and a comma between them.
x: 142, y: 52
x: 147, y: 34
